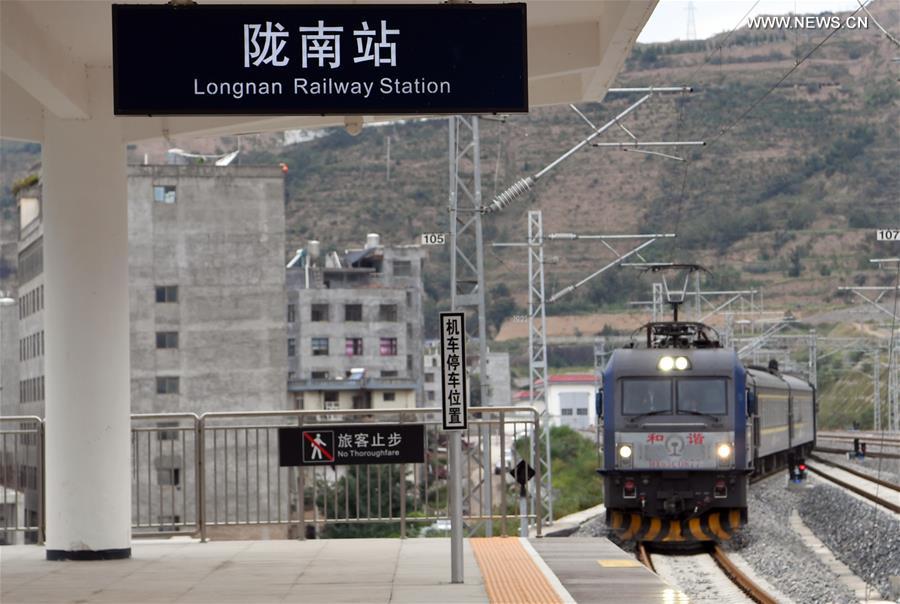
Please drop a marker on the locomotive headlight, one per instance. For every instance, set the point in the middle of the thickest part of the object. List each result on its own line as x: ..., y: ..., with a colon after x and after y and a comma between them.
x: 625, y: 455
x: 682, y: 363
x: 723, y: 451
x: 666, y: 364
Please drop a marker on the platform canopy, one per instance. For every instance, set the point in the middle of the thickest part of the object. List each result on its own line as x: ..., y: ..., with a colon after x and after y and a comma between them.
x: 575, y: 50
x: 57, y: 89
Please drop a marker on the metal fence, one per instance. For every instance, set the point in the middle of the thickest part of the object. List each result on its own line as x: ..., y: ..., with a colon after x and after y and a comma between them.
x: 21, y: 479
x: 217, y: 475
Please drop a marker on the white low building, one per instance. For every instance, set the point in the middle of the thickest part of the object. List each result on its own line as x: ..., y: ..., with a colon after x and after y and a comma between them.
x: 570, y: 400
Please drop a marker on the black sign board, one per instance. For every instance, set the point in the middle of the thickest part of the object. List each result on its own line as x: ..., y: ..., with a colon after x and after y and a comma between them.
x: 522, y: 472
x: 318, y: 59
x: 351, y: 444
x: 453, y: 371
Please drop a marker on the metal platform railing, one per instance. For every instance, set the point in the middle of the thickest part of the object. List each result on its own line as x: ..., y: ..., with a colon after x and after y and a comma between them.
x: 217, y: 475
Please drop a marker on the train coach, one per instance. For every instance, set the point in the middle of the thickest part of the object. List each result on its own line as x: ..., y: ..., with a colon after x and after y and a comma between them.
x: 684, y: 425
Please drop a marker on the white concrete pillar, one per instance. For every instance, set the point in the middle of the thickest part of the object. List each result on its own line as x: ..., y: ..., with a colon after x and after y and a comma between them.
x: 88, y: 474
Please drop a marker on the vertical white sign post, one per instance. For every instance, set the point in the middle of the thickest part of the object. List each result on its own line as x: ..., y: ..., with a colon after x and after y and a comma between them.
x: 455, y: 419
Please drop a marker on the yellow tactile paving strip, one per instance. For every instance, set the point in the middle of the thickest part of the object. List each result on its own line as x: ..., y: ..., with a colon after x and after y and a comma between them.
x: 510, y: 575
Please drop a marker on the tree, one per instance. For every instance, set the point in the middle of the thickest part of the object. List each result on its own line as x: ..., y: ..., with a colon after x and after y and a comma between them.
x: 499, y: 306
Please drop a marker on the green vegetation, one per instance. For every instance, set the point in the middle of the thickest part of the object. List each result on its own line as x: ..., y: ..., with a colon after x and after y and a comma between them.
x: 575, y: 480
x: 576, y: 484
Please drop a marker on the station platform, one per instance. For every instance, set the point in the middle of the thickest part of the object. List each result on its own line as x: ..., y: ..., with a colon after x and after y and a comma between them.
x: 497, y: 570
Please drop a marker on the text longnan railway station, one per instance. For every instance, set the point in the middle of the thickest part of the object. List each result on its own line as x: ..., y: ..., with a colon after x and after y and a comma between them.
x: 325, y: 87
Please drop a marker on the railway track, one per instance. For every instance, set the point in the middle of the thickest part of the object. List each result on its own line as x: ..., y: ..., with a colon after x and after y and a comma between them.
x: 874, y: 454
x: 869, y: 437
x: 703, y: 568
x: 888, y: 488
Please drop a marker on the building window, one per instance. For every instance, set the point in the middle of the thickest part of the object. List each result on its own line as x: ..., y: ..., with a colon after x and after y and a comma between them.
x: 430, y: 395
x: 409, y: 364
x: 167, y: 339
x: 566, y: 411
x: 387, y: 312
x: 31, y: 261
x: 353, y: 312
x: 429, y: 377
x: 388, y: 347
x: 319, y: 375
x: 167, y: 385
x: 292, y: 347
x: 166, y: 293
x: 581, y: 411
x: 402, y: 268
x: 360, y: 402
x: 291, y: 313
x: 353, y: 346
x: 168, y: 476
x: 164, y: 434
x: 319, y: 347
x: 164, y: 193
x: 331, y: 397
x: 389, y: 373
x: 318, y: 312
x: 390, y: 396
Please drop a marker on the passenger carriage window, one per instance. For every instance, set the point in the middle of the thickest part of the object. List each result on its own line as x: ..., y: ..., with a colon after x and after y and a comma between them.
x: 703, y: 396
x: 646, y: 396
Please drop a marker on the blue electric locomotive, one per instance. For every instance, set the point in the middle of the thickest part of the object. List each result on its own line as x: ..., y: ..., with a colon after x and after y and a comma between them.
x: 685, y: 425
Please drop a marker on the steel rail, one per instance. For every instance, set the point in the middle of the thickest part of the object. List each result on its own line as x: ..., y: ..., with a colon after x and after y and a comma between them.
x: 868, y: 453
x: 879, y: 481
x: 855, y: 489
x: 643, y: 555
x: 754, y: 591
x: 869, y: 440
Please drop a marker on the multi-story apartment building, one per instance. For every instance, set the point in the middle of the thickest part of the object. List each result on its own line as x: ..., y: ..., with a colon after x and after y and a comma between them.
x: 206, y: 249
x: 206, y: 263
x: 355, y: 327
x: 22, y: 371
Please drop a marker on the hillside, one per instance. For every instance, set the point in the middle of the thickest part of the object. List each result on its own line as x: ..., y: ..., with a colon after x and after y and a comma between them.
x: 785, y: 199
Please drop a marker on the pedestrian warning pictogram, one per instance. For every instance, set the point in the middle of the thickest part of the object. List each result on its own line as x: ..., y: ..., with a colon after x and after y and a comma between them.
x: 318, y: 446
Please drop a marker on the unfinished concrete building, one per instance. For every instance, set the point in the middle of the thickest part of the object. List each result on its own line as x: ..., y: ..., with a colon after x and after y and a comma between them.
x: 206, y: 245
x: 355, y: 333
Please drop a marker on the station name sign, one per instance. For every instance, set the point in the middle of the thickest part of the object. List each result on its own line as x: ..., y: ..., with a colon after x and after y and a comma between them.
x: 351, y: 444
x: 319, y: 59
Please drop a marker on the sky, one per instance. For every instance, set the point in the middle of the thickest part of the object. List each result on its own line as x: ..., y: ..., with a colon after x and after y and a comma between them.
x: 669, y: 20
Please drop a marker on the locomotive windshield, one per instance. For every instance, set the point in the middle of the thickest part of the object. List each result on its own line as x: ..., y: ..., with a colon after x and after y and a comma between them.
x: 646, y: 396
x: 696, y: 396
x: 707, y: 396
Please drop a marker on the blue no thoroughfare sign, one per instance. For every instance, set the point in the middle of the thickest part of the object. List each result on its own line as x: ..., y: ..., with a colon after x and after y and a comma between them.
x: 351, y: 444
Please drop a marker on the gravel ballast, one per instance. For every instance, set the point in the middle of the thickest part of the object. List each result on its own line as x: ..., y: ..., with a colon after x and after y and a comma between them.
x: 776, y: 552
x: 860, y: 535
